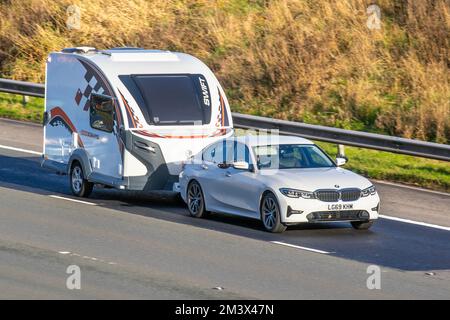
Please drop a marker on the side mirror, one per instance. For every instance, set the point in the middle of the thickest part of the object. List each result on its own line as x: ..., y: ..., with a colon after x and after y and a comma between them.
x: 340, y: 161
x: 241, y: 165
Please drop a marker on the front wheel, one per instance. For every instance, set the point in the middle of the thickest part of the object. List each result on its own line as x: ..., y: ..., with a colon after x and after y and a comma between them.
x: 362, y: 225
x: 195, y: 200
x: 79, y: 185
x: 270, y: 214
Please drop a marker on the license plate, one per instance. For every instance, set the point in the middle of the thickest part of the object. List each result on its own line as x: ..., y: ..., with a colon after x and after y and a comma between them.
x: 340, y: 206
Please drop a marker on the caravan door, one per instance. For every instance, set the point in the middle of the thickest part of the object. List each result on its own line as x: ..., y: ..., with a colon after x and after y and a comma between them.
x: 102, y: 143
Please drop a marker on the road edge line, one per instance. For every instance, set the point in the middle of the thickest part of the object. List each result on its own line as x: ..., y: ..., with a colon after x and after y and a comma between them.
x: 20, y: 150
x: 73, y: 200
x: 388, y: 183
x: 419, y: 223
x: 300, y: 247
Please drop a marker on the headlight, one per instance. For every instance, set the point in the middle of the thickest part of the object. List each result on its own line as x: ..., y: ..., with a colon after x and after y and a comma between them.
x: 368, y: 191
x: 294, y: 193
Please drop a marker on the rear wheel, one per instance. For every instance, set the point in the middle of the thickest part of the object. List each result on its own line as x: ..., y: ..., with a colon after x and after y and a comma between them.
x: 270, y: 214
x: 362, y: 225
x: 195, y: 200
x: 79, y: 185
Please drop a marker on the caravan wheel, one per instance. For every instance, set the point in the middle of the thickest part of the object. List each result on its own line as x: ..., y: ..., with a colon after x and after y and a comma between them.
x: 79, y: 185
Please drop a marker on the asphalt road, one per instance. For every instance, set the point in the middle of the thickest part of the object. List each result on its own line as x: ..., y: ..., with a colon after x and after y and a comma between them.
x: 145, y: 246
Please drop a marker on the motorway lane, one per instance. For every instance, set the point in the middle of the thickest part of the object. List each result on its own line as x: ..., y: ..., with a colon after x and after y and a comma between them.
x: 35, y: 273
x: 25, y: 135
x: 149, y: 236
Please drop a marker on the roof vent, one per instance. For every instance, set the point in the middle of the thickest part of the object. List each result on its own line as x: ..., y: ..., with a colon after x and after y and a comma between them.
x: 79, y: 50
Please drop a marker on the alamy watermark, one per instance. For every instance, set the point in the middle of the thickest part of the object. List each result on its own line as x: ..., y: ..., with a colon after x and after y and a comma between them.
x: 73, y: 281
x: 374, y: 280
x: 373, y: 17
x: 73, y: 21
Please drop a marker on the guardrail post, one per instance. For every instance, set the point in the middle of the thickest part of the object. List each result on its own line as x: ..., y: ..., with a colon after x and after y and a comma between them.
x: 341, y: 151
x: 25, y: 100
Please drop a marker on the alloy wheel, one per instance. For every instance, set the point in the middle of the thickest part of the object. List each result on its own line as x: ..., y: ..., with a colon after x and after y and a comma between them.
x: 77, y: 179
x: 270, y: 212
x: 195, y: 199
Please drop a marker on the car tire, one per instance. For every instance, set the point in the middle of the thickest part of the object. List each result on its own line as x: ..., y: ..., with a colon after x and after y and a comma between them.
x: 195, y: 200
x: 78, y: 184
x: 362, y: 225
x: 270, y: 214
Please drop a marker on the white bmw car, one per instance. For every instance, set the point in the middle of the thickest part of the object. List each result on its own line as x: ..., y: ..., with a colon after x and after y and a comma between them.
x: 283, y: 182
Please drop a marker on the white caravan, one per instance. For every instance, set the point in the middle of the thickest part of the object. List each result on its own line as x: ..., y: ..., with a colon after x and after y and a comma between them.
x: 128, y: 117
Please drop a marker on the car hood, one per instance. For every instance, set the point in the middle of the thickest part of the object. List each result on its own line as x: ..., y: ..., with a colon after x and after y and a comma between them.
x: 312, y: 179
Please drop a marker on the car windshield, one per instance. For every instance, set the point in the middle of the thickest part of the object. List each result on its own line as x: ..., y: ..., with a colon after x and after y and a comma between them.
x: 291, y: 156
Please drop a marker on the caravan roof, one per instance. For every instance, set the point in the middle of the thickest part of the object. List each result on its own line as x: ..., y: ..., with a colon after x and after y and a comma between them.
x: 129, y: 60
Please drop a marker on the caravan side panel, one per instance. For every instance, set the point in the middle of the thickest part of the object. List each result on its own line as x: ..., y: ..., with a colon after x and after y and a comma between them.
x: 63, y: 75
x: 71, y: 80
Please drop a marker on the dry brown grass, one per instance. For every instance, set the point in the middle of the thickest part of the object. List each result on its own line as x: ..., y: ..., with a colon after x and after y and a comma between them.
x: 309, y: 60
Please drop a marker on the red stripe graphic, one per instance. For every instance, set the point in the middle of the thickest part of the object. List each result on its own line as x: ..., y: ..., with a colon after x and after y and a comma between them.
x: 129, y: 111
x: 222, y: 107
x: 58, y: 112
x: 217, y: 133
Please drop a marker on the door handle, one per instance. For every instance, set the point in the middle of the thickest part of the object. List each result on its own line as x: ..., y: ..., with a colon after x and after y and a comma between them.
x: 228, y: 174
x: 204, y: 167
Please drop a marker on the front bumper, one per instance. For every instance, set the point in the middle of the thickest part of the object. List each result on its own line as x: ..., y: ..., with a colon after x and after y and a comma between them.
x: 299, y: 210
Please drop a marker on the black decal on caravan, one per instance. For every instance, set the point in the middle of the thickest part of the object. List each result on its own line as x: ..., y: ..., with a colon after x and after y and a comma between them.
x: 204, y: 95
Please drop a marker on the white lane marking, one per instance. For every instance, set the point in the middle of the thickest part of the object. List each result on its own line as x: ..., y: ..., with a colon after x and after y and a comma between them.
x: 299, y: 247
x: 411, y: 188
x: 73, y: 254
x: 20, y: 150
x: 419, y: 223
x: 73, y: 200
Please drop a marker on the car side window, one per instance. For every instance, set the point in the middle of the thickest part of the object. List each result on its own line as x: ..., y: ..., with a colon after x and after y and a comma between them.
x: 220, y: 153
x: 241, y: 152
x: 226, y: 152
x: 209, y: 153
x: 101, y: 115
x: 214, y: 153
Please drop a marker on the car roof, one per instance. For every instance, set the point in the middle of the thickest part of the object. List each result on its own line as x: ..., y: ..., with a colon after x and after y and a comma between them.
x: 258, y: 140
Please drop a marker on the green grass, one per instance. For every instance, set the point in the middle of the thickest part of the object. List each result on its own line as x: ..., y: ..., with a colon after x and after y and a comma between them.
x: 373, y: 164
x: 427, y: 173
x: 12, y: 106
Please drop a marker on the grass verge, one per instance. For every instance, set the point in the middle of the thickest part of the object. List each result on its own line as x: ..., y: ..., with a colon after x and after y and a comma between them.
x: 12, y: 107
x: 421, y: 172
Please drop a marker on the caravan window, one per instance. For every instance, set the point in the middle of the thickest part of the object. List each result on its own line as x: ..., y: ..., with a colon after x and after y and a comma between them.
x: 101, y: 113
x: 175, y: 99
